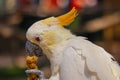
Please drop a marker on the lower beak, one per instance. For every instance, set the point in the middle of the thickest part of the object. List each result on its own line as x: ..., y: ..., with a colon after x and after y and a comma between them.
x: 33, y: 49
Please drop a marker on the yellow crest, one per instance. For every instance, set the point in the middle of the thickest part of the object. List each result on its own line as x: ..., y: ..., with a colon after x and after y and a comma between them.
x: 67, y: 18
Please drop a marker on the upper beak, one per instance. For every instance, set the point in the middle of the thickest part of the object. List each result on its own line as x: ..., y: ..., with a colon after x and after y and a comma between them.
x: 33, y: 49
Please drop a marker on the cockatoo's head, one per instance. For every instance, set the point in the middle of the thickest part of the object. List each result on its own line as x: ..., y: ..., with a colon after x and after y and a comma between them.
x: 48, y: 32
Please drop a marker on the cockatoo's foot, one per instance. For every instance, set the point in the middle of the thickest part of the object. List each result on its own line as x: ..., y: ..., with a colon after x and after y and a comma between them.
x: 39, y: 73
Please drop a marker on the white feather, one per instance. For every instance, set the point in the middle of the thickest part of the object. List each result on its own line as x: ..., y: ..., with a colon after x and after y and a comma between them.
x: 82, y: 60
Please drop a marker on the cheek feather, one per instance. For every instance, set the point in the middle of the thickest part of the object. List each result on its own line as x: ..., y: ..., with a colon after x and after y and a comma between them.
x: 50, y: 38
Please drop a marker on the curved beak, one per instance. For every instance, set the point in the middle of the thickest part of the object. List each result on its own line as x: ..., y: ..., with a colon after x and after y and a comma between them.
x: 33, y: 49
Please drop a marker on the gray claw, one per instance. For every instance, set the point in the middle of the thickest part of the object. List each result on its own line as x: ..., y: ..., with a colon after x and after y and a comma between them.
x: 33, y: 49
x: 39, y: 73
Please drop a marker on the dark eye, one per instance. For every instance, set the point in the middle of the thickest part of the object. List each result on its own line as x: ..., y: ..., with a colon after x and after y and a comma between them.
x: 37, y: 39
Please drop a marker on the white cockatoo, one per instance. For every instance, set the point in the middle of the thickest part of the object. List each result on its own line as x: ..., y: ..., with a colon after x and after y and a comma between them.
x: 71, y: 57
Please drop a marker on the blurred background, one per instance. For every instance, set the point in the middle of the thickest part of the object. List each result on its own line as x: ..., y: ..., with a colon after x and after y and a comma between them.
x: 98, y: 20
